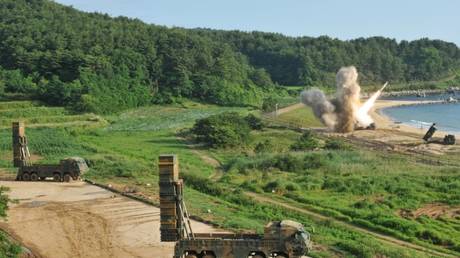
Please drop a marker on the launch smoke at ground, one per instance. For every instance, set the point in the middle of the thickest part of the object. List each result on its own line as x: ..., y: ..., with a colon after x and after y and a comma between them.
x: 345, y: 112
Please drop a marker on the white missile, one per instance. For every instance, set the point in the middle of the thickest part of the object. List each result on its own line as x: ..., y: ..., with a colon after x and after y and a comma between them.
x: 383, y: 87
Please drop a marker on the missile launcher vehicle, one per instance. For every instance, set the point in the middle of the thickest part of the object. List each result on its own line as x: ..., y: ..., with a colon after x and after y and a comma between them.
x: 67, y: 169
x: 281, y: 239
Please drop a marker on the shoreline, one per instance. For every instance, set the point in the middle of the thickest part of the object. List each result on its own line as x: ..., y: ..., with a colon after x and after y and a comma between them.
x: 385, y: 122
x: 414, y: 92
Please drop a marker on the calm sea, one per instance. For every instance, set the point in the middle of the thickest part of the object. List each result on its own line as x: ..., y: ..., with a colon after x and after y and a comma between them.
x: 445, y: 115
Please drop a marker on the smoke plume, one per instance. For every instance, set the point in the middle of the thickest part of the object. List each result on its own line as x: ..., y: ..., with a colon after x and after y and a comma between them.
x: 345, y: 112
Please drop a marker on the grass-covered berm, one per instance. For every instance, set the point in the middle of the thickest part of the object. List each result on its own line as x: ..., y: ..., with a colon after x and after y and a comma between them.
x: 356, y: 202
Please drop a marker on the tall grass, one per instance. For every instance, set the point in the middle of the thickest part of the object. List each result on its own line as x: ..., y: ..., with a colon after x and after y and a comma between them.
x: 367, y: 189
x: 364, y: 187
x: 157, y: 118
x: 33, y: 112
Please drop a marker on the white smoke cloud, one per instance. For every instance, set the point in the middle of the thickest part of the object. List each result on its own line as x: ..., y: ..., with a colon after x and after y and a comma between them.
x: 345, y: 112
x: 322, y: 108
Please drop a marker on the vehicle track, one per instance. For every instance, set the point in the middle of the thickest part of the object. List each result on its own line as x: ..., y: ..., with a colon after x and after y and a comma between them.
x: 382, y: 237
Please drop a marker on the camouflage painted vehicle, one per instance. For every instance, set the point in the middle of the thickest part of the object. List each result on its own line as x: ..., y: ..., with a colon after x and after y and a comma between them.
x: 67, y: 169
x: 281, y: 239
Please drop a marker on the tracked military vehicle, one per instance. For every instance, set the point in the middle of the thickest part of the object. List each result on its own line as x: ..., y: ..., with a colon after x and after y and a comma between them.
x: 281, y: 239
x: 67, y: 169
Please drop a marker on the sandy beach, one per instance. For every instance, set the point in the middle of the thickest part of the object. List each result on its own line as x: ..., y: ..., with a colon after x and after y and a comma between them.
x: 385, y: 122
x: 401, y: 136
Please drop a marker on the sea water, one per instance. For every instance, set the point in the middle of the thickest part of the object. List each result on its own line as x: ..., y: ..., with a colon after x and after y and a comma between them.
x: 445, y: 115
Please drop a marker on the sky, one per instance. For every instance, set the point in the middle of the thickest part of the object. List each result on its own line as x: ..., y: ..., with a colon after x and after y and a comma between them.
x: 399, y: 19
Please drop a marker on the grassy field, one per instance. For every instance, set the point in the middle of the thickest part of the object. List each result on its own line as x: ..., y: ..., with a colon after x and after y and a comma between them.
x: 36, y: 115
x: 302, y: 117
x: 362, y: 187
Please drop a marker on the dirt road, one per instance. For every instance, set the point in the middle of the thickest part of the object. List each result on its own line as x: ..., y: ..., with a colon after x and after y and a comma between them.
x: 384, y: 238
x: 81, y: 220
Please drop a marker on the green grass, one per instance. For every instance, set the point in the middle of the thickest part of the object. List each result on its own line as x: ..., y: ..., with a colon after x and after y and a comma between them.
x: 35, y: 115
x: 157, y: 118
x: 18, y: 105
x: 359, y: 186
x: 7, y: 247
x: 302, y: 117
x: 362, y: 187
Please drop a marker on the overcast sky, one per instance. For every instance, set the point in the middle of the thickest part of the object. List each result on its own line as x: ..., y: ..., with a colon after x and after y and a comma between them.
x: 399, y: 19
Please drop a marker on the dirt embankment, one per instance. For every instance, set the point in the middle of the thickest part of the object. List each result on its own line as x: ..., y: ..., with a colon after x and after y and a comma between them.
x: 432, y: 210
x: 82, y: 220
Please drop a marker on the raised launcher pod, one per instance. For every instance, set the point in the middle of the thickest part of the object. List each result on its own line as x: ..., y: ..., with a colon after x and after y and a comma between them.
x: 174, y: 222
x: 282, y: 239
x: 20, y: 149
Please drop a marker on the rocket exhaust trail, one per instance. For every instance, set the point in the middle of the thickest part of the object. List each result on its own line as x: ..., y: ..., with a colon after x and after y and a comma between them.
x: 370, y: 102
x: 383, y: 87
x: 362, y: 113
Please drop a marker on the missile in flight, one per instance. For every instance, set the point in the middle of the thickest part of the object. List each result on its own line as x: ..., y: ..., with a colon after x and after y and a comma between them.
x: 384, y: 86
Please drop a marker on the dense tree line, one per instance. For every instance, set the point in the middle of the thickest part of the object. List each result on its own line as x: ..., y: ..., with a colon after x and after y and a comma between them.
x: 93, y: 62
x: 314, y: 61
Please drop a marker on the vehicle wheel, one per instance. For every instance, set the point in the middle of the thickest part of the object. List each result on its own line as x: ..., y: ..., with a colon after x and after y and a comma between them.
x: 34, y: 177
x: 67, y: 178
x: 57, y: 177
x: 25, y: 177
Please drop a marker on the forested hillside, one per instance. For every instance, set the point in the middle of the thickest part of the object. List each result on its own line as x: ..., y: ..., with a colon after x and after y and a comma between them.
x: 92, y: 62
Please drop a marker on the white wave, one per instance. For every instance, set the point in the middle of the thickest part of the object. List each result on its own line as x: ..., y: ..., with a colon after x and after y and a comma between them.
x: 421, y: 122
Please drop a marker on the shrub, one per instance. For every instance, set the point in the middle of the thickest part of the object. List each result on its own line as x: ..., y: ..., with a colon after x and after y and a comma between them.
x: 265, y: 146
x: 7, y: 249
x: 306, y: 142
x: 254, y: 122
x: 432, y: 236
x: 335, y: 184
x: 358, y: 250
x: 336, y: 144
x: 269, y: 104
x: 292, y: 187
x: 289, y: 163
x: 273, y: 186
x: 251, y: 186
x: 114, y: 166
x: 204, y: 185
x: 313, y: 161
x: 283, y: 162
x: 4, y: 200
x: 222, y: 130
